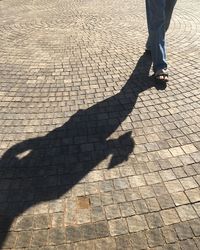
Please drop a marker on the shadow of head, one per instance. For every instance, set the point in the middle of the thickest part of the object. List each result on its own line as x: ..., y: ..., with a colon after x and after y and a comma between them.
x: 127, y: 145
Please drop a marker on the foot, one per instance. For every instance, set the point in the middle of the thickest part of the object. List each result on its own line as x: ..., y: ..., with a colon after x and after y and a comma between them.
x: 161, y: 76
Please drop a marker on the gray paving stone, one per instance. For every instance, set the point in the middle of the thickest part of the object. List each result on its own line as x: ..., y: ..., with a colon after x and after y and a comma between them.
x: 73, y: 234
x: 193, y: 194
x: 123, y: 242
x: 39, y: 238
x: 180, y: 198
x: 169, y: 234
x: 138, y: 240
x: 112, y: 211
x: 23, y: 239
x: 188, y: 244
x: 155, y: 237
x: 56, y: 236
x: 186, y: 212
x: 108, y: 243
x: 137, y: 223
x: 154, y: 220
x: 170, y: 216
x: 118, y: 227
x: 140, y: 206
x: 152, y: 204
x: 183, y: 231
x: 127, y: 209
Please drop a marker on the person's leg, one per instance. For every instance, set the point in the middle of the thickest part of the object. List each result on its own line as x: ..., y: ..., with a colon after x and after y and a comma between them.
x: 168, y: 12
x: 156, y: 27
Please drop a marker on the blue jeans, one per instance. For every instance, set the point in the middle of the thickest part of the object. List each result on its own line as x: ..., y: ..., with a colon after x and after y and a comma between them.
x: 159, y: 14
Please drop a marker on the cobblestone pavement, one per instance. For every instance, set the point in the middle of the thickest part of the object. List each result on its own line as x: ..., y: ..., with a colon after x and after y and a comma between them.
x: 93, y: 154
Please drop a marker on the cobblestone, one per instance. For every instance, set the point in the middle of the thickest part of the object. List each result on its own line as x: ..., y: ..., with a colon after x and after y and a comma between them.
x: 93, y: 153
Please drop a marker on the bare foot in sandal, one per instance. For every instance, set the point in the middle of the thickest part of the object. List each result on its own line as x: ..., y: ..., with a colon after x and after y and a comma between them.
x: 161, y: 76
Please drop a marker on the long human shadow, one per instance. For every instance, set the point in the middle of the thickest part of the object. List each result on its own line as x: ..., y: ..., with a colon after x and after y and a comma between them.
x: 45, y: 168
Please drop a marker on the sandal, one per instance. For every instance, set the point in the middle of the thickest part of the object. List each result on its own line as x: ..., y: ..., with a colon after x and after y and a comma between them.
x: 161, y: 76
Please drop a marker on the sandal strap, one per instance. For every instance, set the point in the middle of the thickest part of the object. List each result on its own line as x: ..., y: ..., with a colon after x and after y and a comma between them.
x: 161, y: 72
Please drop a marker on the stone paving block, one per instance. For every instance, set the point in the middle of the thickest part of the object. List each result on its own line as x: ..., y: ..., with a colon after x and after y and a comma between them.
x: 197, y: 241
x: 24, y: 223
x: 83, y: 216
x: 173, y: 246
x: 57, y: 236
x: 183, y: 231
x: 127, y: 171
x: 105, y: 243
x: 197, y: 208
x: 165, y: 201
x: 179, y: 198
x: 42, y: 208
x: 121, y: 183
x: 152, y: 178
x: 106, y: 186
x: 137, y: 181
x: 195, y: 225
x: 112, y: 174
x: 23, y: 239
x: 154, y: 220
x: 63, y: 247
x: 186, y: 212
x: 118, y: 196
x: 102, y: 229
x: 153, y: 166
x: 167, y: 175
x: 147, y: 192
x: 95, y: 200
x: 160, y: 189
x: 106, y: 198
x: 188, y: 183
x: 176, y: 151
x: 132, y: 194
x: 174, y: 186
x: 152, y: 204
x: 197, y: 178
x: 188, y: 244
x: 56, y: 207
x: 170, y: 216
x: 193, y: 194
x: 97, y: 214
x: 141, y: 168
x: 118, y: 227
x: 112, y: 211
x: 179, y: 172
x: 127, y: 209
x: 138, y: 240
x: 73, y: 234
x: 140, y: 206
x: 57, y: 220
x: 123, y: 242
x: 41, y: 221
x: 189, y: 170
x: 169, y: 234
x: 155, y: 238
x: 137, y: 223
x: 84, y: 245
x: 88, y: 231
x: 39, y: 238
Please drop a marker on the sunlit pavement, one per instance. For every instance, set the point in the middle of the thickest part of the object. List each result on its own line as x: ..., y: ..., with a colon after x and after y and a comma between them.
x: 94, y: 154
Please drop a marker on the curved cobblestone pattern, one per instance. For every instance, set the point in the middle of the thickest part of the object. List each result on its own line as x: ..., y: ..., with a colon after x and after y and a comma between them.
x: 93, y: 154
